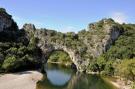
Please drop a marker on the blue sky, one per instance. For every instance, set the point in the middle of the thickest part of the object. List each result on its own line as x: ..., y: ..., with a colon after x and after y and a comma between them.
x: 68, y: 15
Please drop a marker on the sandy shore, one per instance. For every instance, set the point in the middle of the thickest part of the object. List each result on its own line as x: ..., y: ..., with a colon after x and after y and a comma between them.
x: 28, y: 80
x: 117, y: 82
x: 21, y: 80
x: 120, y: 84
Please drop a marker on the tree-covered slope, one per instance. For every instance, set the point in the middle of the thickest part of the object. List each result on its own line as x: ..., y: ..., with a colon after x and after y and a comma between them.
x: 124, y: 47
x: 101, y: 47
x: 17, y: 50
x: 120, y: 58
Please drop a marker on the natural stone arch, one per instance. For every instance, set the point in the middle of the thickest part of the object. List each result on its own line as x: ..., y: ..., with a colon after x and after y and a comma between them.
x: 68, y: 62
x: 93, y: 47
x: 47, y: 49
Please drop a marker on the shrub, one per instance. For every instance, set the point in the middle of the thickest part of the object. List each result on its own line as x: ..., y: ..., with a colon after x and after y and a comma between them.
x: 93, y: 67
x: 98, y: 65
x: 109, y: 68
x: 2, y: 10
x: 13, y: 63
x: 126, y: 69
x: 124, y: 47
x: 12, y: 50
x: 59, y: 56
x: 133, y: 86
x: 10, y: 63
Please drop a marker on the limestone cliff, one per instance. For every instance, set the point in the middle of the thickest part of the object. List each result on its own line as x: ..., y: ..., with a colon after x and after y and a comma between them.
x: 100, y: 36
x: 6, y: 21
x: 82, y: 48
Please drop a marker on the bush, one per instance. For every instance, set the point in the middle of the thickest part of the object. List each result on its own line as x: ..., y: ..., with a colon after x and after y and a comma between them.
x: 98, y: 65
x: 10, y: 63
x: 93, y: 67
x: 13, y: 63
x: 101, y: 63
x: 133, y: 86
x: 22, y: 51
x: 2, y: 10
x: 12, y: 51
x: 103, y: 66
x: 109, y: 68
x: 124, y: 47
x: 126, y: 69
x: 59, y: 56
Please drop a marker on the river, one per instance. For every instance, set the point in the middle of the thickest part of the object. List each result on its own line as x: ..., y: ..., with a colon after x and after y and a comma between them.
x: 60, y: 77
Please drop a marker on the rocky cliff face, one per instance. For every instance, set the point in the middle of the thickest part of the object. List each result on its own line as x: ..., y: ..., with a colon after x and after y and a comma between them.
x: 82, y: 48
x: 101, y: 36
x: 6, y: 21
x: 89, y: 45
x: 47, y: 46
x: 17, y: 49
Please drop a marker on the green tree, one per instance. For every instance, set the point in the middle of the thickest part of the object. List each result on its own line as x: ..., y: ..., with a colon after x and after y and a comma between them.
x: 10, y: 63
x: 126, y: 69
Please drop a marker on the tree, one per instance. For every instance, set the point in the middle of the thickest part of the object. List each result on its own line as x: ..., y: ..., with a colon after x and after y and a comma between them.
x: 10, y: 63
x: 126, y: 69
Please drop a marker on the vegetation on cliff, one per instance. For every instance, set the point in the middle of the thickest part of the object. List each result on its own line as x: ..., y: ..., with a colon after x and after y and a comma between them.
x: 119, y: 60
x: 124, y: 47
x: 17, y: 55
x: 108, y: 46
x: 17, y: 51
x: 59, y: 57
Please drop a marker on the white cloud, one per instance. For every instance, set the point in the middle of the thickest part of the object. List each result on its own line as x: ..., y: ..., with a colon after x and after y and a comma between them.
x: 119, y: 17
x: 69, y: 29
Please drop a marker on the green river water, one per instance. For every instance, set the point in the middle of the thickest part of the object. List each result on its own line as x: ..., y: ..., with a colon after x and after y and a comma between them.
x: 60, y: 77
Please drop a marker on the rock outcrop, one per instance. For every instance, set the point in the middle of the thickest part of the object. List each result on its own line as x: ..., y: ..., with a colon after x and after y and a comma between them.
x: 100, y: 41
x: 102, y: 35
x: 48, y: 47
x: 6, y: 21
x: 82, y: 48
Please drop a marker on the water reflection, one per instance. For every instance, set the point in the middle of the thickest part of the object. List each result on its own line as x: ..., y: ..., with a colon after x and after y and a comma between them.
x: 57, y: 77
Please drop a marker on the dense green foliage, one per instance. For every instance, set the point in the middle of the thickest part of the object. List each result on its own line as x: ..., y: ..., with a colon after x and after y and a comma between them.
x: 2, y: 10
x: 133, y: 86
x: 103, y: 66
x: 119, y: 59
x: 69, y: 39
x: 59, y: 56
x: 124, y: 47
x: 126, y: 69
x: 17, y: 55
x: 18, y: 48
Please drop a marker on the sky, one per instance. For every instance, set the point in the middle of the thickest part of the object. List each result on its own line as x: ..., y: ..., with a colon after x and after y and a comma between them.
x: 68, y: 15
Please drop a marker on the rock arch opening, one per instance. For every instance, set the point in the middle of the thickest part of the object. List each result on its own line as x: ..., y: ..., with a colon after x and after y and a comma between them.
x: 60, y: 57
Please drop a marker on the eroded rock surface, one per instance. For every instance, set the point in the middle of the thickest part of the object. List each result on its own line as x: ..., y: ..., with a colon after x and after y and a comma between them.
x: 82, y: 48
x: 6, y: 21
x: 89, y: 45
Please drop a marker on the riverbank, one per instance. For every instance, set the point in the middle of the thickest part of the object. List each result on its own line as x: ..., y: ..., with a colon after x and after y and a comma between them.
x: 60, y: 63
x: 116, y: 81
x: 120, y: 83
x: 28, y: 80
x: 20, y: 80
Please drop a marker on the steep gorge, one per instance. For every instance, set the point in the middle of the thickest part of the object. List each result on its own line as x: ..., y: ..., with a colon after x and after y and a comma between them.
x: 83, y: 47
